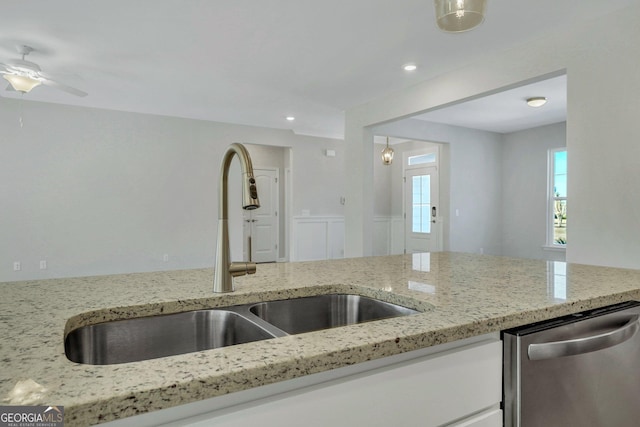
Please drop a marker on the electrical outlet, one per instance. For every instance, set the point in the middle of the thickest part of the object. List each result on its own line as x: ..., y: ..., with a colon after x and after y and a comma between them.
x: 165, y: 258
x: 17, y: 266
x: 43, y: 264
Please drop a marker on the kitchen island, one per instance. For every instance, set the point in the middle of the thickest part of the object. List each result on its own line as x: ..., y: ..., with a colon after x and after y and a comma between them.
x: 459, y: 296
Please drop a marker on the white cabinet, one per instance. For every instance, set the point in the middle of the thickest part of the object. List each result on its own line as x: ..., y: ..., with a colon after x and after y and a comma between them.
x: 457, y: 384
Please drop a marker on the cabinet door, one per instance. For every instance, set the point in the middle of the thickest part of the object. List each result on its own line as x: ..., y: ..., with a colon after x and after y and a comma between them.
x: 428, y: 391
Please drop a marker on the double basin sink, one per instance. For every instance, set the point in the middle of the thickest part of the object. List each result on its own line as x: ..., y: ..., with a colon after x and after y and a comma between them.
x: 131, y: 340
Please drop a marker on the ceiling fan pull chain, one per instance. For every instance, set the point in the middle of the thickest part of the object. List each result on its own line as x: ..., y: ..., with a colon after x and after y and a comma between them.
x: 20, y: 103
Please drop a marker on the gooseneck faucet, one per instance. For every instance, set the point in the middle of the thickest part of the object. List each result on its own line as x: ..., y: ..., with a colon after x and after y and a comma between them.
x: 225, y: 270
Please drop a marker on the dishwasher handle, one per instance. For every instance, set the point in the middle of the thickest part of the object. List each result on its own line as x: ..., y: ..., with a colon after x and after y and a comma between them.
x: 552, y: 350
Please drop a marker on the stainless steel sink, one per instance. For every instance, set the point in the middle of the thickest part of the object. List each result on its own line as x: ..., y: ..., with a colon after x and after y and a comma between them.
x: 295, y: 316
x: 146, y: 338
x: 132, y: 340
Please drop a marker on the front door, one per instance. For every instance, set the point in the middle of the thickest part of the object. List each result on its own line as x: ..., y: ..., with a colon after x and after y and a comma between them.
x: 261, y: 225
x: 422, y: 230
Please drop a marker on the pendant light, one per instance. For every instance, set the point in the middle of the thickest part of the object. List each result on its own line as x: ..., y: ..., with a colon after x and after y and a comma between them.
x: 387, y: 154
x: 455, y: 16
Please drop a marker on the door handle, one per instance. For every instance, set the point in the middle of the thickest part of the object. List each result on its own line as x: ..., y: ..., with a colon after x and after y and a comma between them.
x: 433, y: 214
x: 552, y: 350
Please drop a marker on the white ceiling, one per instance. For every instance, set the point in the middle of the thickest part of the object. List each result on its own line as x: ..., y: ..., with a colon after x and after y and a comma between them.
x: 508, y: 111
x: 256, y: 61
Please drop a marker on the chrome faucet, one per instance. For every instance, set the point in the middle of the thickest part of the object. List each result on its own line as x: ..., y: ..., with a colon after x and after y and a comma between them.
x: 225, y: 270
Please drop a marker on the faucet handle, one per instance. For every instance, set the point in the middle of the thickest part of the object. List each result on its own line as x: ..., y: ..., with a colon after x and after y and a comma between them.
x: 241, y: 268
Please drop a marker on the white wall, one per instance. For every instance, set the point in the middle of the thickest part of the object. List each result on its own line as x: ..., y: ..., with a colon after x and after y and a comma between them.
x: 524, y: 198
x: 98, y: 192
x: 319, y: 180
x: 603, y: 139
x: 602, y: 130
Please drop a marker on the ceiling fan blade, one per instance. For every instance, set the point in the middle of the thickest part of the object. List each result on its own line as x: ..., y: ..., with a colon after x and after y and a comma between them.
x: 63, y: 87
x: 5, y: 70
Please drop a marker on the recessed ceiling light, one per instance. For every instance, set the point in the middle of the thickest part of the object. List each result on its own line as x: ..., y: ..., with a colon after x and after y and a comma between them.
x: 290, y: 118
x: 537, y: 101
x: 410, y: 67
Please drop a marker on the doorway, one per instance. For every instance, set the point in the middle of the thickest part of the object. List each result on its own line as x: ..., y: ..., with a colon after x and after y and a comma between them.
x: 406, y: 193
x: 421, y: 209
x: 422, y: 212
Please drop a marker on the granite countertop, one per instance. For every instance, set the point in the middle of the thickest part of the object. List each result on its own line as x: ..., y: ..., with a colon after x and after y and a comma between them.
x: 461, y: 295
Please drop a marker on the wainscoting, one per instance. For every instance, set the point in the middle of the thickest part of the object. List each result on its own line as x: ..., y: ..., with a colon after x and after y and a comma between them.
x: 388, y: 235
x: 322, y: 237
x: 317, y: 237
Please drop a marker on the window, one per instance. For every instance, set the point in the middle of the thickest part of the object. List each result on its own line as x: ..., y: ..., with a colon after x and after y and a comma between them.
x: 557, y: 198
x: 421, y: 159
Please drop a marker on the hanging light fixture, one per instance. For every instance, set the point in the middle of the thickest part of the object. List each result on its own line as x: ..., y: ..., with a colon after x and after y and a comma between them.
x: 387, y: 154
x: 455, y: 16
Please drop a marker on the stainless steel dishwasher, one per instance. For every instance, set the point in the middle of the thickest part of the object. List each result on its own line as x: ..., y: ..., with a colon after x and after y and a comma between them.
x: 581, y: 370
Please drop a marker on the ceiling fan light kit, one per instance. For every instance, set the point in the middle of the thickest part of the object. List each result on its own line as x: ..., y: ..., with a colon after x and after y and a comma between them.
x: 24, y: 75
x: 456, y: 16
x: 21, y: 83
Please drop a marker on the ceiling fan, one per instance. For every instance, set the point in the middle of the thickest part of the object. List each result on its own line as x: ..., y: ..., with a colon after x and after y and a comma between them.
x: 24, y: 75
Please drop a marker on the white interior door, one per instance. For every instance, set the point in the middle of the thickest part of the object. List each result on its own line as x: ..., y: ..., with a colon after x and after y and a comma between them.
x: 421, y: 211
x: 261, y: 225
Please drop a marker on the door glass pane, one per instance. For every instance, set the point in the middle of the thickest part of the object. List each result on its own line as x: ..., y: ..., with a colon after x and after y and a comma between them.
x: 421, y: 204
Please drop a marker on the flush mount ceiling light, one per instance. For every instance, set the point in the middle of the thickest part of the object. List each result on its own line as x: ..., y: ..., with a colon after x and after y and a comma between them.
x: 387, y: 154
x: 410, y: 67
x: 455, y: 16
x: 290, y: 118
x: 537, y: 101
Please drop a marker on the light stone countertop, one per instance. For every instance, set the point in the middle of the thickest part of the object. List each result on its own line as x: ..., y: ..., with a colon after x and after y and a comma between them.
x: 462, y: 295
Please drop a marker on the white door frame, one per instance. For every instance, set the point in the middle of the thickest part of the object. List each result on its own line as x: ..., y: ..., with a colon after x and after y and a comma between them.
x: 432, y: 168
